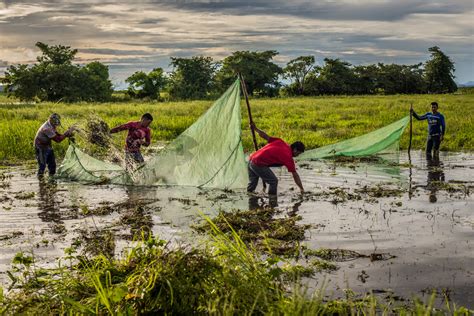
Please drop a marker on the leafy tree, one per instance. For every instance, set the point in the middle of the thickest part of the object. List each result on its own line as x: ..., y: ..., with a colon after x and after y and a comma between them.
x: 336, y: 77
x: 22, y: 82
x: 367, y: 79
x: 192, y: 78
x: 95, y: 85
x: 56, y: 54
x: 439, y: 72
x: 395, y: 78
x: 259, y: 72
x: 297, y: 69
x: 56, y: 78
x: 149, y: 85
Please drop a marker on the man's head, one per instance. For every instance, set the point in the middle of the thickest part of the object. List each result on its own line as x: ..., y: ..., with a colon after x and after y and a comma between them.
x: 297, y: 148
x: 55, y: 119
x: 146, y: 119
x: 434, y: 107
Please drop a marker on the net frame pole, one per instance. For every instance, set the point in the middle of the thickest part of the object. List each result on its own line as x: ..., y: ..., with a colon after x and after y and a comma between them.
x: 249, y: 111
x: 411, y: 128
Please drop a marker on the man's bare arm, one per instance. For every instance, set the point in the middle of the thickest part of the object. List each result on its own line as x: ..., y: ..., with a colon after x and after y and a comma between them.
x: 297, y: 179
x: 260, y: 132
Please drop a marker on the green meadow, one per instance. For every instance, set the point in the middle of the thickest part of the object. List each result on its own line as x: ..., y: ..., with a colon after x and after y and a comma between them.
x: 316, y: 121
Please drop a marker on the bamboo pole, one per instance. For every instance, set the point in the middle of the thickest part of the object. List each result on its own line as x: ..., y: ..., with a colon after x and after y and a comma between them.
x: 411, y: 128
x: 244, y: 90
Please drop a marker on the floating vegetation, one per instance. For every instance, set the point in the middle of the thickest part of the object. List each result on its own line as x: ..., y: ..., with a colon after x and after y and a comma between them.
x: 262, y: 228
x: 323, y: 265
x: 11, y: 235
x: 25, y: 195
x: 338, y: 255
x: 380, y: 191
x: 139, y: 219
x: 96, y: 242
x: 341, y: 255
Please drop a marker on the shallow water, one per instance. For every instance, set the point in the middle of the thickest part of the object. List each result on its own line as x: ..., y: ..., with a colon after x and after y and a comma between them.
x: 424, y: 227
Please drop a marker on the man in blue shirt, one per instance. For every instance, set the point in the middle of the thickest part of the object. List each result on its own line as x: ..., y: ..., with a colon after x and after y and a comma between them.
x: 436, y: 128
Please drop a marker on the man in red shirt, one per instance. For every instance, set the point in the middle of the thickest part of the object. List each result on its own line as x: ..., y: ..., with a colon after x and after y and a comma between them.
x: 43, y: 149
x: 275, y: 154
x: 138, y: 134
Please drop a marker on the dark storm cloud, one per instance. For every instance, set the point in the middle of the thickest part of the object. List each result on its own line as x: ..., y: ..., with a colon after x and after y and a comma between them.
x: 331, y: 10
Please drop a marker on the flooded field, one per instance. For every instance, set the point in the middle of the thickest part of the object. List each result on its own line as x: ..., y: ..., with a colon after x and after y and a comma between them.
x: 411, y: 228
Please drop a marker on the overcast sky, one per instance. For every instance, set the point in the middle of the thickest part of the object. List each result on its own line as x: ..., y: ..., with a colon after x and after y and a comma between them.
x: 140, y: 35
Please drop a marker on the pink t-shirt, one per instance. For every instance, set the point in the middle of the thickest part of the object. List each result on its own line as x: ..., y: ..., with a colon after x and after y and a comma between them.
x: 136, y: 132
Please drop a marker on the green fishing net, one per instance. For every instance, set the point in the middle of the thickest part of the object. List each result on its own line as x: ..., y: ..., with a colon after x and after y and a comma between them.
x: 385, y: 139
x: 210, y: 153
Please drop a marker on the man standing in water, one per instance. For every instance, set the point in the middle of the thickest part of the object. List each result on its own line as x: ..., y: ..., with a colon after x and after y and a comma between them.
x: 138, y: 134
x: 43, y: 149
x: 436, y: 129
x: 275, y: 154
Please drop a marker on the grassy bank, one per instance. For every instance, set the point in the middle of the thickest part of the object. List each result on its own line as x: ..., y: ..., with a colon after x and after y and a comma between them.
x: 317, y: 121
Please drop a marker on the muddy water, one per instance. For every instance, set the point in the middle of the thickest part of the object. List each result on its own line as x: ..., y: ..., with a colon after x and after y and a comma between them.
x: 420, y: 220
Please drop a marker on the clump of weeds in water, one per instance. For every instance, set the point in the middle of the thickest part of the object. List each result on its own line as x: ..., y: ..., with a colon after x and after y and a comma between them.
x: 262, y: 228
x: 224, y: 276
x: 139, y: 219
x: 96, y: 242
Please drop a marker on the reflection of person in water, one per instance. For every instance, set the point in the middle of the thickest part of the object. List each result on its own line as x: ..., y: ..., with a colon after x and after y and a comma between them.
x: 47, y: 204
x: 258, y: 202
x: 435, y: 177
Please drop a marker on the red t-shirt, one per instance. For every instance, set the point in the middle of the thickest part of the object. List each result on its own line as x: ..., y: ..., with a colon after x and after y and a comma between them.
x: 275, y: 153
x: 135, y: 132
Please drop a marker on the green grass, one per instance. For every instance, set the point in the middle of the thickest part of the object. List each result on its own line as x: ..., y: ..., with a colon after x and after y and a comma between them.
x: 316, y: 121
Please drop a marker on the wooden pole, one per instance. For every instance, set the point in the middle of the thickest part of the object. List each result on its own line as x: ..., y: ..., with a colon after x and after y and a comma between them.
x: 411, y: 128
x: 244, y: 90
x: 410, y: 193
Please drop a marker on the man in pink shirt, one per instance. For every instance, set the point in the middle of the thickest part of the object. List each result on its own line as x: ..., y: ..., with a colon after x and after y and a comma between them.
x: 43, y: 148
x: 138, y: 134
x: 275, y: 154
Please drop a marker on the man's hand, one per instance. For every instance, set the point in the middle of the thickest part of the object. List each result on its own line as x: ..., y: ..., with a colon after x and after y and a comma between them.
x: 441, y: 137
x: 70, y: 131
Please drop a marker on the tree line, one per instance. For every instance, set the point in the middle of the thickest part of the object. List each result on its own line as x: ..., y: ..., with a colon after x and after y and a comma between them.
x: 56, y: 78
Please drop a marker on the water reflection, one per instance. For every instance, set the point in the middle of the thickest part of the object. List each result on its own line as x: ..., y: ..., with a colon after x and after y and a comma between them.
x: 259, y: 202
x: 47, y: 201
x: 435, y: 177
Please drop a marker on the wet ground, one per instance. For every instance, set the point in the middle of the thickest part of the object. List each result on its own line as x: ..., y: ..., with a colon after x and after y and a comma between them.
x: 415, y: 226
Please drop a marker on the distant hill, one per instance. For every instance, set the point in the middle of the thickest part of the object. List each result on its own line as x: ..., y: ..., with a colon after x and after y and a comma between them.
x: 467, y: 84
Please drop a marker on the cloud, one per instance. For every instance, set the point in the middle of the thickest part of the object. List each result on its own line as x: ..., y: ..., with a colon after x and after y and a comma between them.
x: 141, y: 35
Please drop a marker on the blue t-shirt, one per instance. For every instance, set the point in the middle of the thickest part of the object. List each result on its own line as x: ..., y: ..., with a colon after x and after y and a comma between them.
x: 436, y: 124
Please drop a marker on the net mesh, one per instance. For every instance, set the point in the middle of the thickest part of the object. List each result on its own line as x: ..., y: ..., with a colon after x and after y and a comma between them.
x: 208, y: 154
x: 383, y: 140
